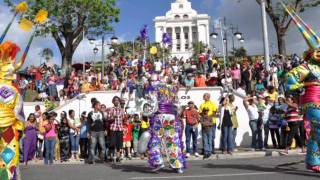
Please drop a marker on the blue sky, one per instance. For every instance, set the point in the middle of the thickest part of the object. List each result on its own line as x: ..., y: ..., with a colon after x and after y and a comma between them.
x: 136, y: 13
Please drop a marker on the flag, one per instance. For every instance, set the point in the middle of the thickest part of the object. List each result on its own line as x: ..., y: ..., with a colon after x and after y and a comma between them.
x: 166, y: 39
x: 144, y: 32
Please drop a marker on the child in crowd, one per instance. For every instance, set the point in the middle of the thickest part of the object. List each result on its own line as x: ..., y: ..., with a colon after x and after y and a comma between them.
x: 136, y: 133
x: 127, y: 138
x: 144, y: 127
x: 274, y: 124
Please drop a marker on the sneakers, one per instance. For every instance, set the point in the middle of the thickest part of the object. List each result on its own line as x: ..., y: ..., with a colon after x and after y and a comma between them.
x: 196, y: 154
x: 187, y: 155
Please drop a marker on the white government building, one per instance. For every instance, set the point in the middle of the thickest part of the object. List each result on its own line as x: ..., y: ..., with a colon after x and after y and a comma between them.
x: 185, y: 26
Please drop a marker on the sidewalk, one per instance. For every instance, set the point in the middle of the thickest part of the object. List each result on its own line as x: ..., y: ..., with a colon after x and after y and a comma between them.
x: 242, y: 153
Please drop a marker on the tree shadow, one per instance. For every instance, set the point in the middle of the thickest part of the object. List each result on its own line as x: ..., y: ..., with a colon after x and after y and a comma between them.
x: 283, y: 168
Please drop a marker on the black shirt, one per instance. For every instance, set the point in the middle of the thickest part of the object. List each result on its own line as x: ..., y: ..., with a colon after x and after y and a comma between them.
x: 96, y: 121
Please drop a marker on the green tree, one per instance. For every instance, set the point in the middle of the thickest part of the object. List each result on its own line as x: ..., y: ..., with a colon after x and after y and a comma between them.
x: 69, y: 20
x: 280, y: 18
x: 197, y: 48
x: 239, y: 52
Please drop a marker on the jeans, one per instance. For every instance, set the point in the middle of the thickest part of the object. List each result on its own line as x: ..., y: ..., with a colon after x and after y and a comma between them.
x: 84, y: 147
x: 275, y: 134
x: 207, y: 140
x: 214, y: 127
x: 74, y: 139
x: 97, y: 137
x: 256, y: 134
x: 39, y: 153
x: 191, y: 131
x: 64, y: 148
x: 227, y: 138
x: 53, y: 90
x: 294, y: 133
x: 234, y: 135
x: 266, y: 135
x: 49, y: 144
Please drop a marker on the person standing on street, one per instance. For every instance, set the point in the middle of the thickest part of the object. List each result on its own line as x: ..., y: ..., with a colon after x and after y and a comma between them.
x: 192, y: 121
x: 116, y: 117
x: 96, y: 130
x: 212, y: 112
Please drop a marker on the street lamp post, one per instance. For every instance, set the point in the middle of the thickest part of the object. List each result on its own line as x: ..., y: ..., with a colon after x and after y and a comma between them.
x: 265, y: 36
x: 113, y: 39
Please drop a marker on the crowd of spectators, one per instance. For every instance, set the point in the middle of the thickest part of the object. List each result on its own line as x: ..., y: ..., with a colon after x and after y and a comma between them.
x: 115, y: 134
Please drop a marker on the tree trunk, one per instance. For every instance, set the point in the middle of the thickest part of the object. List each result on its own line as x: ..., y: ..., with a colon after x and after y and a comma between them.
x: 281, y: 43
x: 67, y: 59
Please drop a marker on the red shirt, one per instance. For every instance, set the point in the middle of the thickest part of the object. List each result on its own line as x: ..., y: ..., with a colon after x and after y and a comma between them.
x: 192, y: 117
x: 127, y: 132
x: 202, y: 58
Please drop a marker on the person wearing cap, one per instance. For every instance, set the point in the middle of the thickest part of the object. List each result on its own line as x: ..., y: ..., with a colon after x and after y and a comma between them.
x: 213, y: 108
x: 192, y: 120
x: 250, y: 103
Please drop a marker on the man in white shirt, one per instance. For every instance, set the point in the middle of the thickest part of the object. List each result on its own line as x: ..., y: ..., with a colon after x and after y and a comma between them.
x: 158, y: 66
x: 252, y: 109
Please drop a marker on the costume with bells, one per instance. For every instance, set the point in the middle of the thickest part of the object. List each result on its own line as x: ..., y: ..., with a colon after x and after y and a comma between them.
x: 307, y: 77
x: 11, y: 103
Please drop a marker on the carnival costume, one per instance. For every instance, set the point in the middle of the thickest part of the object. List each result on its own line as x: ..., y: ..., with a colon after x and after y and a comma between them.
x: 164, y: 138
x: 307, y: 77
x: 11, y: 103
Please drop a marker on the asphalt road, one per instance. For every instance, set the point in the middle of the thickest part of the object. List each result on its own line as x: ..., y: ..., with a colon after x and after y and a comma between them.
x: 267, y: 168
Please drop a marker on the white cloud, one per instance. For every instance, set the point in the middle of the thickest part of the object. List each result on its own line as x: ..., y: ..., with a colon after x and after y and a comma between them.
x: 247, y: 15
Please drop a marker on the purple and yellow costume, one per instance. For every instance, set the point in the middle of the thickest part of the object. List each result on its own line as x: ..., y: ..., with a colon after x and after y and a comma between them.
x: 11, y: 102
x: 307, y: 77
x: 166, y: 131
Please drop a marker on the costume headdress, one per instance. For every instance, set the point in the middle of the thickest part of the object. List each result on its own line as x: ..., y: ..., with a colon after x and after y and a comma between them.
x: 9, y: 50
x: 312, y: 39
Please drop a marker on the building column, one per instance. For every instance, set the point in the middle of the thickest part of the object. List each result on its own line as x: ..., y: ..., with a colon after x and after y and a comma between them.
x: 174, y: 39
x: 190, y: 37
x: 182, y: 40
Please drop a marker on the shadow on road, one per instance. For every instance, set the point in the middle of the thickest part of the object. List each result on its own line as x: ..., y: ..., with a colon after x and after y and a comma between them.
x: 283, y: 168
x: 139, y: 169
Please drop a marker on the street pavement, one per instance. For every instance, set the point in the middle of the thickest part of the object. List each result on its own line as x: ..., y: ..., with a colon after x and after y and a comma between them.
x: 263, y: 168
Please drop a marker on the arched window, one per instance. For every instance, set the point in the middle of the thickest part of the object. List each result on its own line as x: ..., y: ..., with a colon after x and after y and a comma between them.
x: 185, y: 16
x: 176, y: 17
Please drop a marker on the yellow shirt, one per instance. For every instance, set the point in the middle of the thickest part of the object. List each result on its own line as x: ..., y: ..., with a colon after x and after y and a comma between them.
x: 144, y: 124
x: 213, y: 108
x: 273, y: 96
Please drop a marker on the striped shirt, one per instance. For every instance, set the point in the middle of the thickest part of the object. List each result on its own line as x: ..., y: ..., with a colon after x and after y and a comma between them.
x: 293, y: 115
x: 117, y: 116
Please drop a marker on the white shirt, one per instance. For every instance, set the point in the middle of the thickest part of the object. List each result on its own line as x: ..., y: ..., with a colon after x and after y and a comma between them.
x: 253, y: 112
x: 266, y: 111
x: 158, y: 66
x: 135, y: 62
x: 241, y: 91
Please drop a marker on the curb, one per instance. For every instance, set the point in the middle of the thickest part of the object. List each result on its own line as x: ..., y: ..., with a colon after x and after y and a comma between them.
x: 219, y: 156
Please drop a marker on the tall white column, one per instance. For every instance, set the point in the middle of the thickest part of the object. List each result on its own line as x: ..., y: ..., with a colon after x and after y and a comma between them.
x: 182, y: 40
x: 190, y: 37
x: 174, y: 39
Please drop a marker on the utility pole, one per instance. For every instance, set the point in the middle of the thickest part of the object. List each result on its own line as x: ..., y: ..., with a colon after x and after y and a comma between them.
x: 265, y: 37
x: 102, y: 57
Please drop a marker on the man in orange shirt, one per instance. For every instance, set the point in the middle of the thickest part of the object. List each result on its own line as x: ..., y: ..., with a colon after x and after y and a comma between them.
x: 192, y: 119
x: 200, y: 80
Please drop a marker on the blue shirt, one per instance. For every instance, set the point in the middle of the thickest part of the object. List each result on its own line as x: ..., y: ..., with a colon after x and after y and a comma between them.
x: 84, y: 130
